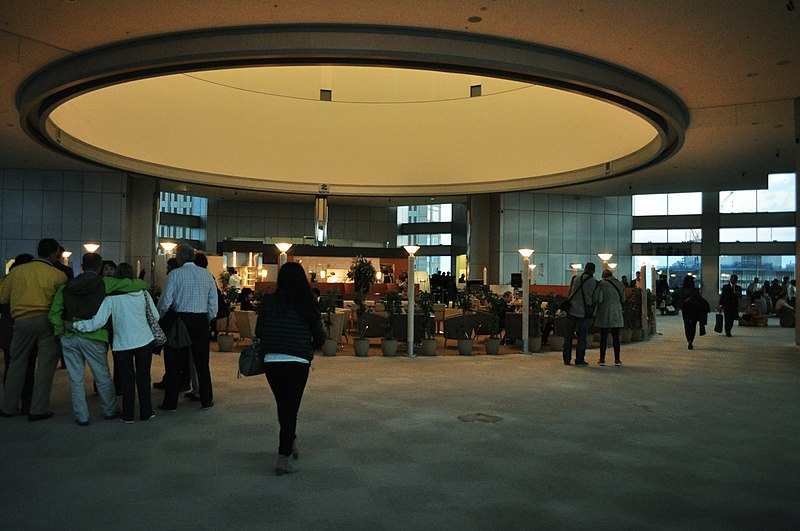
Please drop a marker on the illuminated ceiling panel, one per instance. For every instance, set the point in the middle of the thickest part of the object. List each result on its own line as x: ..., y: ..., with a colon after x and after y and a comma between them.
x: 395, y: 127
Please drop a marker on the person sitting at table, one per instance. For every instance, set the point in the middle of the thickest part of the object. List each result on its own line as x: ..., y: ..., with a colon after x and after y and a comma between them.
x: 246, y: 299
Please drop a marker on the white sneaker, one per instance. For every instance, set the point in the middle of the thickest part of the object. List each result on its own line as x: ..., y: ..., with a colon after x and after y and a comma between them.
x: 285, y: 466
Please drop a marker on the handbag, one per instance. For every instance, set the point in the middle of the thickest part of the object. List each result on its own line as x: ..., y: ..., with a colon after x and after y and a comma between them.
x: 718, y: 325
x: 159, y: 337
x: 251, y: 361
x: 178, y: 336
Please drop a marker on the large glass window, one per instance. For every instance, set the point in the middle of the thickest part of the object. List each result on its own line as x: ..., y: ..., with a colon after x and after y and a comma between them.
x: 424, y: 239
x: 666, y: 235
x: 424, y: 213
x: 668, y: 204
x: 778, y: 197
x: 757, y: 234
x: 748, y: 267
x: 675, y: 267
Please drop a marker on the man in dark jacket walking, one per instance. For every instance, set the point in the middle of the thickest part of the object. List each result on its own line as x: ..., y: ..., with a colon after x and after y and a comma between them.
x: 729, y: 303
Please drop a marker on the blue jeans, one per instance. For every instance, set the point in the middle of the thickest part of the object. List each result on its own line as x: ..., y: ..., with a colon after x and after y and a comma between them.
x: 581, y: 325
x: 79, y: 351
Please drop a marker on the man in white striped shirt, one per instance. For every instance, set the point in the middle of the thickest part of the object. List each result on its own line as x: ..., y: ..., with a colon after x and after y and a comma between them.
x: 190, y: 292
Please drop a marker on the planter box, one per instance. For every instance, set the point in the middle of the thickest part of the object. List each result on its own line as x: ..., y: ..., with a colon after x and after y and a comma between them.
x: 361, y: 347
x: 556, y: 343
x: 493, y: 346
x: 429, y: 347
x: 224, y: 342
x: 535, y: 344
x: 389, y: 347
x: 329, y: 347
x: 465, y: 347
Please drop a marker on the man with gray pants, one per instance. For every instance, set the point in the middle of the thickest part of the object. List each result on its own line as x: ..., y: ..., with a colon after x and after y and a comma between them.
x: 29, y: 290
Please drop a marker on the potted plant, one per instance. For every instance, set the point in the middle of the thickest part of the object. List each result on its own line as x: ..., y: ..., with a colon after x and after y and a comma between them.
x: 559, y: 318
x: 360, y: 343
x: 362, y: 273
x: 535, y: 318
x: 425, y: 304
x: 327, y: 306
x: 391, y: 303
x: 464, y: 341
x: 225, y: 339
x: 464, y: 301
x: 496, y: 307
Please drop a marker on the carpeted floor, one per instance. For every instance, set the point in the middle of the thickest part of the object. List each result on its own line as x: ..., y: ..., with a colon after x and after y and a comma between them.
x: 674, y: 439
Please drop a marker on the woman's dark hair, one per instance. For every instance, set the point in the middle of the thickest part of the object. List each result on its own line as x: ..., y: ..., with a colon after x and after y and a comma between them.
x: 294, y: 291
x: 108, y: 263
x: 125, y: 270
x: 244, y: 293
x: 688, y: 281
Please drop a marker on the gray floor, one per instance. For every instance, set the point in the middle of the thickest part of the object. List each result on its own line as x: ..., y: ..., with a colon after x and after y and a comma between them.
x: 676, y: 439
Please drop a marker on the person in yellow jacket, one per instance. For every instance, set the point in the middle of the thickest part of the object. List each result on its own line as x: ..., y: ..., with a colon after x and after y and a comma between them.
x: 29, y: 290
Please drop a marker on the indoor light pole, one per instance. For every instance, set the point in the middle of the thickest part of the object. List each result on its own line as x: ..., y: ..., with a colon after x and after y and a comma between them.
x: 604, y: 257
x: 410, y: 249
x: 282, y: 247
x: 526, y: 293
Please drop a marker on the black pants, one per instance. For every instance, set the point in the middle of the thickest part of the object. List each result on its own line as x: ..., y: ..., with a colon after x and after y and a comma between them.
x: 731, y: 315
x: 134, y: 374
x: 689, y: 327
x: 604, y: 342
x: 174, y: 360
x: 287, y: 379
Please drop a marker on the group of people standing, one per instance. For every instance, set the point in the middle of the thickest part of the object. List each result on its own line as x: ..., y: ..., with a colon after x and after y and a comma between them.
x: 79, y: 317
x: 49, y: 314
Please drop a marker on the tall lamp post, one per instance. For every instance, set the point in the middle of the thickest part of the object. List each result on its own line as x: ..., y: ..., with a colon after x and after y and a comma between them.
x: 168, y: 247
x: 526, y: 293
x: 283, y: 247
x: 410, y: 249
x: 604, y: 257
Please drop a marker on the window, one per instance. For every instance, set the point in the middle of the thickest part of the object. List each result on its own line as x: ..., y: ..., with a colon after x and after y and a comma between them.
x: 675, y: 267
x: 424, y: 213
x: 778, y: 197
x: 748, y: 267
x: 668, y: 204
x: 667, y: 235
x: 757, y: 234
x: 424, y: 239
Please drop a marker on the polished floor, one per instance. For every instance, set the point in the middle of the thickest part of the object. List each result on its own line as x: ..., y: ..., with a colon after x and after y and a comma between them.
x: 674, y: 439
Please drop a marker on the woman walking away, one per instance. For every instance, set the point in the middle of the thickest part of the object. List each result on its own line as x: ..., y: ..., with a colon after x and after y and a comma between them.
x: 694, y: 310
x: 611, y: 295
x: 289, y: 329
x: 132, y: 343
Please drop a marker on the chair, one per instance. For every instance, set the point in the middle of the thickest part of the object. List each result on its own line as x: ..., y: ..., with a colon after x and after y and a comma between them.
x: 245, y: 323
x: 513, y: 330
x: 458, y: 327
x: 374, y: 324
x: 400, y: 324
x: 481, y: 323
x: 438, y: 315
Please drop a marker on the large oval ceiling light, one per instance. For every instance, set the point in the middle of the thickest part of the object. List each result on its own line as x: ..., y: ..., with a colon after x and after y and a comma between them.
x: 242, y: 108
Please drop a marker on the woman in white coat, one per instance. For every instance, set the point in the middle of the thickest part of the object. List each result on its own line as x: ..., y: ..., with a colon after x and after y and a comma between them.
x: 132, y: 343
x: 608, y: 318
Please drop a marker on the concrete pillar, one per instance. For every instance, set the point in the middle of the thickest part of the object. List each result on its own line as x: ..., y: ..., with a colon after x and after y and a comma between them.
x: 709, y: 256
x: 796, y: 205
x: 483, y: 222
x: 142, y: 220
